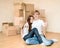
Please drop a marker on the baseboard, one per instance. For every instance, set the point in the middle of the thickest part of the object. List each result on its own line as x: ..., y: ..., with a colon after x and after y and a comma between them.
x: 52, y: 32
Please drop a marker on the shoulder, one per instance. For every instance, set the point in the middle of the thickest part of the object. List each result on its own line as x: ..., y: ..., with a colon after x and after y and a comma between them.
x: 26, y: 24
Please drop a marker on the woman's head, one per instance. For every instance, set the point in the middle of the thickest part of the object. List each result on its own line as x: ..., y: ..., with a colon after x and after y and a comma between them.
x: 30, y: 19
x: 36, y: 14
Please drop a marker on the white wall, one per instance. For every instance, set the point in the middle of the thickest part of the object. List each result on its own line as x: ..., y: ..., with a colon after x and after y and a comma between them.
x: 52, y: 8
x: 6, y: 11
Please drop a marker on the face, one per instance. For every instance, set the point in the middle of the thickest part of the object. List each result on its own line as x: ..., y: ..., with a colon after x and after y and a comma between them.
x: 36, y: 15
x: 31, y: 19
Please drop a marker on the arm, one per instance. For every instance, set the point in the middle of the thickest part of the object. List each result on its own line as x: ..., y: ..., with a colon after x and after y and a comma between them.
x: 44, y: 30
x: 44, y: 27
x: 24, y: 30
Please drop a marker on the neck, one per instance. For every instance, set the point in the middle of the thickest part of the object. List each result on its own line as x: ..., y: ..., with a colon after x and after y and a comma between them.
x: 36, y: 19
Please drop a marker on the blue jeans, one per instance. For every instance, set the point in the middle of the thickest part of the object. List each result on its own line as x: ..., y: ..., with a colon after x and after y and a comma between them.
x: 31, y: 34
x: 37, y: 39
x: 34, y: 40
x: 46, y: 41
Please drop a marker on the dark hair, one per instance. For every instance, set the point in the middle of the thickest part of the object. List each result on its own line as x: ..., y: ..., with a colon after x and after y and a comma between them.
x: 37, y: 12
x: 29, y: 23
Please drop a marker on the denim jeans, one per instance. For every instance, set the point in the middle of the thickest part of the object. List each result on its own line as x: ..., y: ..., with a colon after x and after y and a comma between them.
x: 46, y: 41
x: 37, y: 39
x: 34, y: 40
x: 31, y: 34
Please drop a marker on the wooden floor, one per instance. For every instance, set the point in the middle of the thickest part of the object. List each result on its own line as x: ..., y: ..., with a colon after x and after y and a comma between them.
x: 17, y: 42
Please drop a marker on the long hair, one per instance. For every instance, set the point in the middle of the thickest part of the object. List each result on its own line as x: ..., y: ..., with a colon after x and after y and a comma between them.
x: 29, y: 23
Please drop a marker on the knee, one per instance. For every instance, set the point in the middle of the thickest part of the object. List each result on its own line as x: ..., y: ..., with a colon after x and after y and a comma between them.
x: 34, y: 28
x: 24, y: 38
x: 27, y: 41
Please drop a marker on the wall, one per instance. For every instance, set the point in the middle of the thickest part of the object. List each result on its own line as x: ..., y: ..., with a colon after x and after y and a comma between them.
x: 52, y: 9
x: 6, y: 11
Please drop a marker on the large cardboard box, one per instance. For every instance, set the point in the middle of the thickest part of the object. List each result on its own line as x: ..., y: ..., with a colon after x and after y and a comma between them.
x: 9, y: 30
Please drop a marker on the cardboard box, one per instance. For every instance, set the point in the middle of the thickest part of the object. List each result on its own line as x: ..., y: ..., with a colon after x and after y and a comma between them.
x: 9, y: 30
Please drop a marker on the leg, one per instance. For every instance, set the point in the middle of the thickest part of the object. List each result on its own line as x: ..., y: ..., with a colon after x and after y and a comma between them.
x: 36, y: 33
x: 29, y: 35
x: 47, y: 42
x: 32, y: 41
x: 33, y: 32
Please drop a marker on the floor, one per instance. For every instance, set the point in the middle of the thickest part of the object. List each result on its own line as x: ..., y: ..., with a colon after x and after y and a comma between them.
x: 17, y: 42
